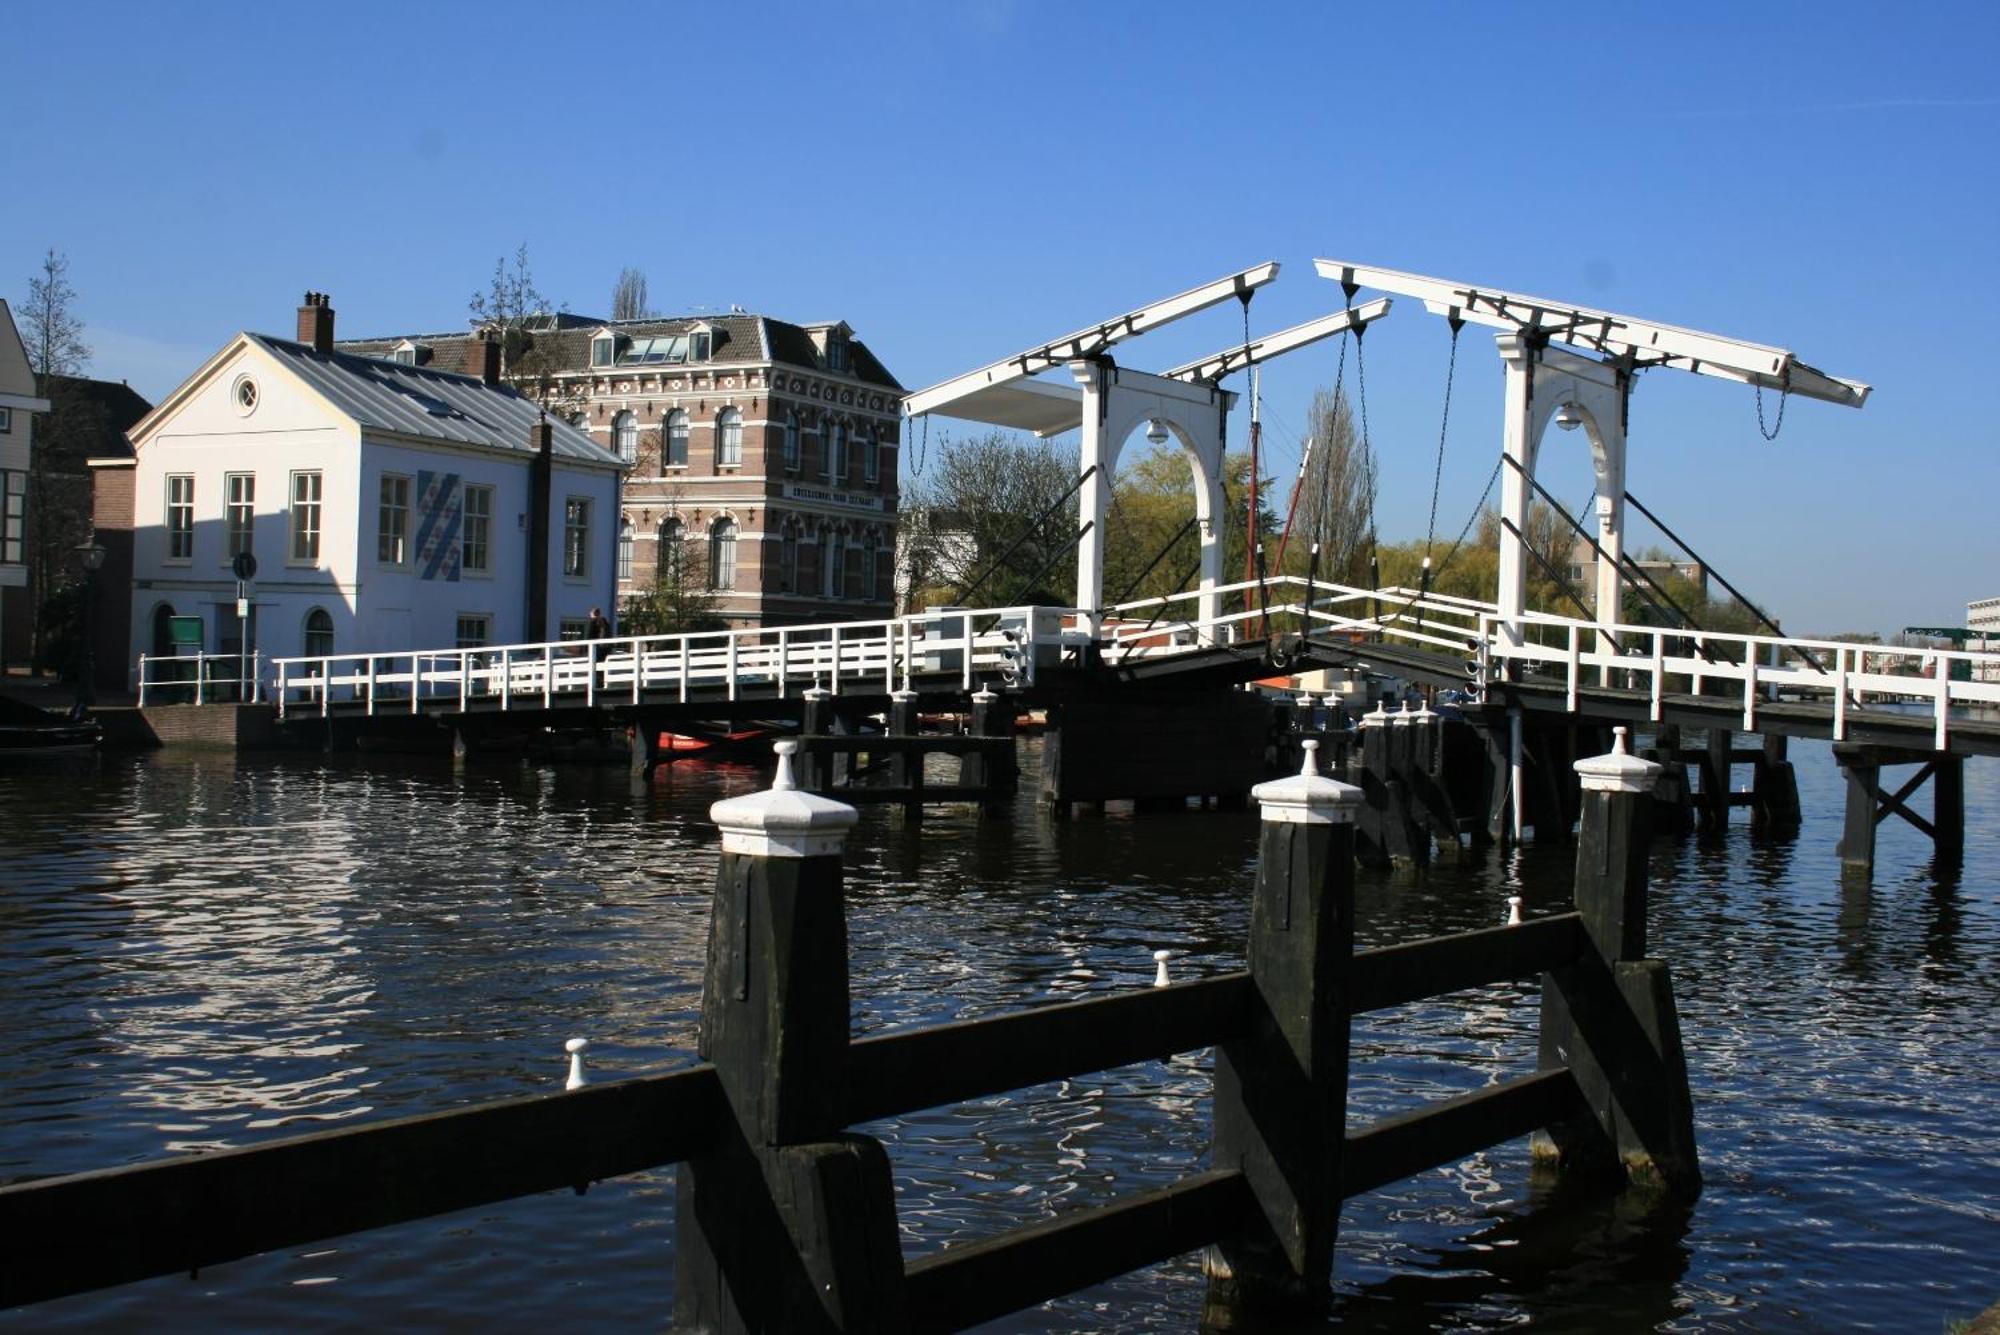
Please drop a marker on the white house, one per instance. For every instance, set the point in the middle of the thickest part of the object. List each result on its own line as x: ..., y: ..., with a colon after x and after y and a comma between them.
x: 387, y: 507
x: 18, y: 405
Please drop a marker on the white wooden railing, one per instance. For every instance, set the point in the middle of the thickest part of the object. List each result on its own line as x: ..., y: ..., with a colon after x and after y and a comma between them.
x: 1760, y: 667
x: 976, y: 645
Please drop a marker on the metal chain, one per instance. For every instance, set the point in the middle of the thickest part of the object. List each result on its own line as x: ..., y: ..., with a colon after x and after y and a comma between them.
x: 1784, y: 394
x: 923, y: 445
x: 1367, y: 447
x: 1478, y: 508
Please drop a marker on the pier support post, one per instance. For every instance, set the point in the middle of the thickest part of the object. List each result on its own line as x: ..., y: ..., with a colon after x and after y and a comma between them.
x: 815, y: 773
x: 1948, y: 809
x: 1373, y: 842
x: 1864, y: 791
x: 1610, y: 1017
x: 906, y: 763
x: 1774, y: 808
x: 1715, y: 767
x: 1281, y: 1090
x: 997, y: 771
x: 645, y: 749
x: 786, y: 1224
x: 1673, y: 803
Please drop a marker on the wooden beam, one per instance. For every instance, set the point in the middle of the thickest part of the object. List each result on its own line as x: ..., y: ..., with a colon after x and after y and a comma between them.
x: 979, y: 1281
x: 926, y: 1068
x: 1207, y: 370
x: 92, y: 1230
x: 1394, y: 975
x: 1438, y: 1133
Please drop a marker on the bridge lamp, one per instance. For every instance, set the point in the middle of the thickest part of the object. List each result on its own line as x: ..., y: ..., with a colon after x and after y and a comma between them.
x: 1156, y: 432
x: 1569, y: 417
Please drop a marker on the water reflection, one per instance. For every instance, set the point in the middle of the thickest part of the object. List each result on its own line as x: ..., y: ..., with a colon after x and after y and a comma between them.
x: 198, y: 951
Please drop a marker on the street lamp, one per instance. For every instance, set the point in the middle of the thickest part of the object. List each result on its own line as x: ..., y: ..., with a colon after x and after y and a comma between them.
x: 90, y: 556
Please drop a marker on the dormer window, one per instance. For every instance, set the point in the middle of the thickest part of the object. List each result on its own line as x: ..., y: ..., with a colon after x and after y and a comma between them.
x: 603, y: 349
x: 404, y: 353
x: 836, y: 352
x: 701, y: 343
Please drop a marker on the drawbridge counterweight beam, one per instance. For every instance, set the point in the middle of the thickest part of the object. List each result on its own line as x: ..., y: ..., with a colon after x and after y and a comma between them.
x: 1207, y: 370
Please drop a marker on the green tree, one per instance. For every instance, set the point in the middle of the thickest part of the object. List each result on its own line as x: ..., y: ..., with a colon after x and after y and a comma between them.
x: 678, y: 601
x: 1336, y: 506
x: 1152, y: 499
x: 981, y: 496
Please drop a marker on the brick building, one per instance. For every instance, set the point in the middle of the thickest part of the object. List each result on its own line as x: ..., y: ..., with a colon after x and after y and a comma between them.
x: 764, y: 453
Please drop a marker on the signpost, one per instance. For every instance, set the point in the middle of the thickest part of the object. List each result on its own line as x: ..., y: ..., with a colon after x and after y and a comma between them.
x: 244, y: 567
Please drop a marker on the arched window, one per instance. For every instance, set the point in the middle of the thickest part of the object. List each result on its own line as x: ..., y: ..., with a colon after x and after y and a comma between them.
x: 791, y: 440
x: 728, y: 437
x: 667, y: 557
x: 319, y: 634
x: 871, y: 467
x: 624, y: 551
x: 788, y: 561
x: 722, y: 555
x: 676, y: 453
x: 625, y: 436
x: 837, y: 447
x: 163, y: 630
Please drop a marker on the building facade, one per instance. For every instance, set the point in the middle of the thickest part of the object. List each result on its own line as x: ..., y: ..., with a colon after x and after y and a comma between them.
x: 1982, y: 621
x: 387, y: 507
x: 762, y: 455
x: 18, y: 405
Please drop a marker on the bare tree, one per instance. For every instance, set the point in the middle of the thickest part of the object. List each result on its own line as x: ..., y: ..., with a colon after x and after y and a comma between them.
x: 981, y: 497
x: 526, y: 321
x: 1337, y: 507
x: 628, y: 296
x: 54, y: 333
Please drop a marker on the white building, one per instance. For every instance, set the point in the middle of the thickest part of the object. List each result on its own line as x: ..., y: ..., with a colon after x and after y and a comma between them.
x: 1982, y: 621
x: 388, y: 507
x: 18, y: 405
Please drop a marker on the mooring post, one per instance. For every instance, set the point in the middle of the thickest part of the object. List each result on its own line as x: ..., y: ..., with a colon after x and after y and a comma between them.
x: 1716, y: 763
x: 815, y: 720
x: 1610, y: 1016
x: 998, y: 770
x: 645, y: 749
x: 786, y: 1224
x: 1409, y: 842
x: 1948, y: 808
x: 1281, y: 1090
x: 1372, y: 841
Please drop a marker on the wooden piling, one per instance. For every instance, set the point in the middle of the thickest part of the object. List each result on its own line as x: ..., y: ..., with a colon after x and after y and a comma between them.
x: 785, y: 1223
x: 1863, y: 773
x: 997, y: 770
x: 906, y: 766
x: 1948, y: 809
x: 1774, y: 807
x: 1281, y: 1088
x: 1610, y: 1017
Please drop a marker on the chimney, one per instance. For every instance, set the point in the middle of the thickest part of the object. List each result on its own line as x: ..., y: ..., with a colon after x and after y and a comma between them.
x: 316, y: 321
x: 489, y: 357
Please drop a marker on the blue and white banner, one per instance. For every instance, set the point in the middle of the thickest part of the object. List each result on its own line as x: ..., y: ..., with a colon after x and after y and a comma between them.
x: 439, y: 511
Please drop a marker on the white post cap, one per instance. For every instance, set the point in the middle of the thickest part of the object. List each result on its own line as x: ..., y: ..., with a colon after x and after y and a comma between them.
x: 905, y: 694
x: 1618, y: 772
x: 1377, y: 719
x: 1403, y: 713
x: 1308, y: 797
x: 783, y: 821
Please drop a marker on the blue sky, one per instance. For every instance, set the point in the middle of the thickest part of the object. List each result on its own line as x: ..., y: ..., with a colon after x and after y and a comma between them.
x: 958, y: 181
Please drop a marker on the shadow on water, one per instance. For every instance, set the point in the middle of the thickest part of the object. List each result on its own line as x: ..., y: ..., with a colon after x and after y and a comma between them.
x: 206, y: 950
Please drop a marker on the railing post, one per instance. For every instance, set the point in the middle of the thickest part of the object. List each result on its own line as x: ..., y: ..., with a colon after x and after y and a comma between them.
x: 786, y: 1224
x: 1281, y: 1089
x: 1610, y: 1016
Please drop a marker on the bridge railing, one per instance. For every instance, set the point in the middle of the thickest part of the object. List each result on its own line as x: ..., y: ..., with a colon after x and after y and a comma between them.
x: 1664, y: 661
x: 1173, y: 623
x: 179, y: 679
x: 974, y: 645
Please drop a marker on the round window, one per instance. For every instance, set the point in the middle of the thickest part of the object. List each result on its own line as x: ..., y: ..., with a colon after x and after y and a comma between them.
x: 246, y: 395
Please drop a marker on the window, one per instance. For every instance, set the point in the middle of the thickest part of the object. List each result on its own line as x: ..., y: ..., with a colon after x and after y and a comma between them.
x: 625, y: 436
x: 853, y: 569
x: 180, y: 517
x: 478, y: 531
x: 676, y: 455
x: 791, y: 440
x: 861, y: 567
x: 13, y: 516
x: 404, y: 355
x: 305, y: 518
x: 836, y: 352
x: 624, y: 551
x: 667, y: 556
x: 729, y: 437
x: 836, y: 565
x: 603, y: 350
x: 240, y: 495
x: 475, y: 630
x: 838, y: 445
x: 700, y: 344
x: 576, y: 537
x: 319, y: 631
x: 392, y: 521
x: 573, y: 628
x: 722, y: 555
x: 1576, y: 574
x: 826, y: 447
x: 788, y: 562
x: 6, y: 419
x: 871, y: 467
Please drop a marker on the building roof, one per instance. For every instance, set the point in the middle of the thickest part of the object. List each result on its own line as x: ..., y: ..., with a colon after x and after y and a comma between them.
x: 423, y: 402
x: 90, y: 417
x: 739, y: 338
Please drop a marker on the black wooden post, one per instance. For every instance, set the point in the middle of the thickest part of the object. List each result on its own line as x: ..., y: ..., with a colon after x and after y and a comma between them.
x: 1775, y: 805
x: 785, y: 1224
x: 1281, y: 1091
x: 1715, y: 768
x: 1610, y: 1017
x: 906, y: 762
x: 815, y: 774
x: 1948, y: 808
x: 1409, y: 844
x: 1863, y: 771
x: 1374, y: 842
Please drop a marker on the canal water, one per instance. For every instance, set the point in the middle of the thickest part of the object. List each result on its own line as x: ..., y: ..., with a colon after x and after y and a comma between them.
x: 202, y: 951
